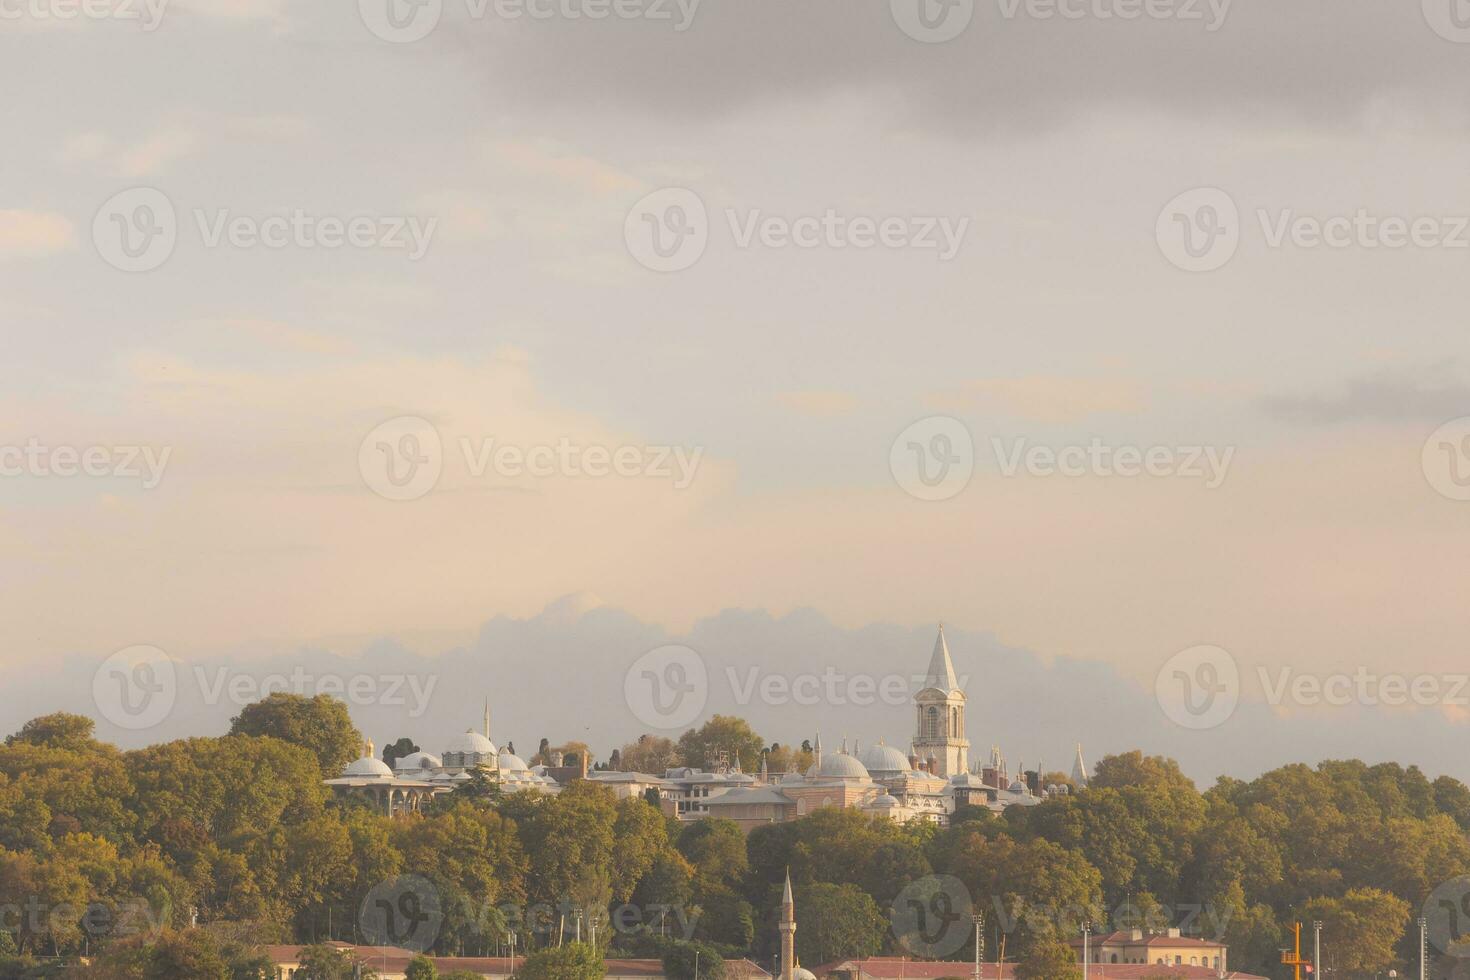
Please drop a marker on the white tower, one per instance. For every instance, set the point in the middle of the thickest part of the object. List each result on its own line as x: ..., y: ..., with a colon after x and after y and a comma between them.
x: 941, y: 714
x: 1079, y: 769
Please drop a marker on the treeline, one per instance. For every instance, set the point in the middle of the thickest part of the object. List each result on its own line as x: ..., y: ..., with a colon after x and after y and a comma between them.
x: 115, y: 854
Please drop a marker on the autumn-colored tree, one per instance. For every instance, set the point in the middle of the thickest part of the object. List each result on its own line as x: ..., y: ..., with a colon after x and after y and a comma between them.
x: 1359, y: 929
x: 652, y: 754
x: 702, y: 747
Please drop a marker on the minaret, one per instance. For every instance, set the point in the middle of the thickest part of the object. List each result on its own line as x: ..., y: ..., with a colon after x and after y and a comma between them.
x: 940, y: 704
x: 817, y: 751
x: 788, y: 931
x: 487, y: 717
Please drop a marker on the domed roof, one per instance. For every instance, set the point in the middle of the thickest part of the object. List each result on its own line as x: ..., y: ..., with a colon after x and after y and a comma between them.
x: 884, y: 758
x: 840, y: 766
x: 510, y: 762
x: 368, y: 766
x: 416, y: 761
x: 471, y: 741
x: 802, y: 973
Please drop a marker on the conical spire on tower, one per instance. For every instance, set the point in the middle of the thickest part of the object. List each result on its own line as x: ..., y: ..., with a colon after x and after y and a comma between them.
x: 1079, y: 769
x: 487, y: 717
x: 940, y: 675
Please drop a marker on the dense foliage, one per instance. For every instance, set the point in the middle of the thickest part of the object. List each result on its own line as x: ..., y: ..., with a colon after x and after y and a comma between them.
x: 116, y: 853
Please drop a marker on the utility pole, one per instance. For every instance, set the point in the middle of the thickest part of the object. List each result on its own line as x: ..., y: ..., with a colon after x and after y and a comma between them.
x: 1086, y: 949
x: 1316, y: 949
x: 1423, y: 948
x: 979, y: 919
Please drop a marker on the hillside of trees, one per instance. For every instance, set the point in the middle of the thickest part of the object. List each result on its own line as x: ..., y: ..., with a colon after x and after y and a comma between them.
x: 116, y: 854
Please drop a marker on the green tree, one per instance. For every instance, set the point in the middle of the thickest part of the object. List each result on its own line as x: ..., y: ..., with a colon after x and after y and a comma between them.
x: 59, y: 730
x: 404, y: 746
x: 650, y: 753
x: 837, y: 922
x: 682, y: 960
x: 1359, y: 929
x: 1049, y: 959
x: 192, y: 953
x: 701, y: 747
x: 322, y: 962
x: 715, y: 848
x: 572, y: 961
x: 320, y: 724
x: 421, y: 967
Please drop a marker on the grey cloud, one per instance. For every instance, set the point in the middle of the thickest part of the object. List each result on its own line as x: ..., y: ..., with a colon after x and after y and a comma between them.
x: 1312, y: 60
x: 560, y: 675
x: 1386, y: 396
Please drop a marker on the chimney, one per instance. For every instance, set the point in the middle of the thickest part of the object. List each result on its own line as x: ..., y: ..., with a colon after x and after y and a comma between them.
x: 1136, y: 935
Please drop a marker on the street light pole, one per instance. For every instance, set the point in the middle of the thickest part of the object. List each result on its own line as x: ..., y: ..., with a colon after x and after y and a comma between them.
x: 979, y: 919
x: 1316, y: 949
x: 1423, y: 948
x: 1086, y: 949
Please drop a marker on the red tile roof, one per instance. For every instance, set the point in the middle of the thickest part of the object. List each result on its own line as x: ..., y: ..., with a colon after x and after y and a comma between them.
x: 394, y: 959
x: 898, y: 968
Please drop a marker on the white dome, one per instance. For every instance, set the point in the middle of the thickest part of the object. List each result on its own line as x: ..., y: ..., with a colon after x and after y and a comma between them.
x: 884, y: 758
x: 840, y: 766
x: 471, y: 741
x: 417, y: 761
x: 368, y: 766
x: 802, y: 973
x: 510, y: 762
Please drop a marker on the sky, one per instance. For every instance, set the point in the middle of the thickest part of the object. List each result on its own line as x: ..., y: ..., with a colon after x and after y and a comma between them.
x: 721, y: 315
